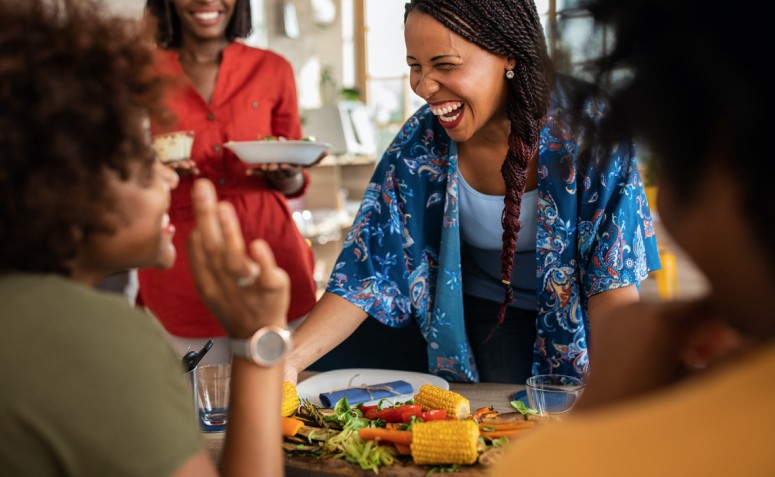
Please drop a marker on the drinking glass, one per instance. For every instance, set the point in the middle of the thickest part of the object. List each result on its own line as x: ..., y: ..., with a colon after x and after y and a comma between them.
x: 553, y: 394
x: 212, y: 395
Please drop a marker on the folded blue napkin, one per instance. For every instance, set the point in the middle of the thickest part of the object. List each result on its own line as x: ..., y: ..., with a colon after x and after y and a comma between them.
x: 357, y: 395
x: 521, y: 396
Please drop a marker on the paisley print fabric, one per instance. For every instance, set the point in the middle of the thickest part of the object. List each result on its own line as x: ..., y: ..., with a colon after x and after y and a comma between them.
x: 401, y: 258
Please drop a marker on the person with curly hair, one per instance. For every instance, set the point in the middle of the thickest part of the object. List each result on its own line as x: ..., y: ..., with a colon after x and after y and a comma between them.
x: 685, y: 388
x: 481, y: 225
x: 90, y: 385
x: 225, y: 91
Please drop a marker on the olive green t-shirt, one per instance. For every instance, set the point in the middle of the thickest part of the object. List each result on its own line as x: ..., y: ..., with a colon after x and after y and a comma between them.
x: 88, y: 385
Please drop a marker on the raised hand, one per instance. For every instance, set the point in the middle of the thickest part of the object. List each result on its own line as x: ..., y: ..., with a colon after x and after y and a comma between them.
x: 245, y: 289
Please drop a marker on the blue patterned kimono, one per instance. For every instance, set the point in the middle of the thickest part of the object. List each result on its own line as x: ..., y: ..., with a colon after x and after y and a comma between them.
x: 401, y: 258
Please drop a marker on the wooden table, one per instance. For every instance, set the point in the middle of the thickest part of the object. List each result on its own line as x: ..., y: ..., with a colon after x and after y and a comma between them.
x: 498, y: 396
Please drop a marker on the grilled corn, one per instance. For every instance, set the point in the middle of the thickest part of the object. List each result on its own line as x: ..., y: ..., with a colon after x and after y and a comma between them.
x: 291, y: 400
x: 431, y: 397
x: 445, y: 442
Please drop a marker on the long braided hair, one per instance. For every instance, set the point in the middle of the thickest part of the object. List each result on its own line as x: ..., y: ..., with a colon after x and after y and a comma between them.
x: 509, y: 28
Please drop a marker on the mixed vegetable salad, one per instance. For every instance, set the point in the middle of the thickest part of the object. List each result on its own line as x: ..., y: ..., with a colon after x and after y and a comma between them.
x: 436, y: 429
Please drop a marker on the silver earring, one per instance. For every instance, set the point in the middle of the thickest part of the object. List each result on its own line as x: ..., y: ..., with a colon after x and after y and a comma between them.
x: 509, y: 74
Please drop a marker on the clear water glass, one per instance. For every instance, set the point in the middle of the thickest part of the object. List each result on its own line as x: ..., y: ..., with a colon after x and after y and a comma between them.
x: 553, y: 394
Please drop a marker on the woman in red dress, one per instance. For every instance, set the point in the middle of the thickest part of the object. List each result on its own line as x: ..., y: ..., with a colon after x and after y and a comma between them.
x: 227, y: 91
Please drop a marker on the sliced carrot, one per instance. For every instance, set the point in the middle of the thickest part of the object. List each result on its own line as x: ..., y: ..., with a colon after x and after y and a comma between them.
x: 484, y: 412
x: 498, y: 434
x: 290, y: 426
x: 506, y: 426
x: 389, y: 435
x: 403, y: 450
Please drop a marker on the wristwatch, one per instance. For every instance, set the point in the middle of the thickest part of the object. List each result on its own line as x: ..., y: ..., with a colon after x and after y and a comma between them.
x: 266, y: 347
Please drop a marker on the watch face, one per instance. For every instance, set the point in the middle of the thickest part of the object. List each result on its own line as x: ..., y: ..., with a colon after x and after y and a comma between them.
x: 271, y: 346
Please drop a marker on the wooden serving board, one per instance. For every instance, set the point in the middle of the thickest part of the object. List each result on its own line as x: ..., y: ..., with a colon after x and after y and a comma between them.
x: 481, y: 395
x: 299, y: 466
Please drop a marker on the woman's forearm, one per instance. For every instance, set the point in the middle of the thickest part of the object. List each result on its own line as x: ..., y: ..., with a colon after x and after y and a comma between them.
x: 331, y: 321
x: 254, y: 405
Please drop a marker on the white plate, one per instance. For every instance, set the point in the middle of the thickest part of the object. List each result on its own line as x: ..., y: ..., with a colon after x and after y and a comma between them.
x: 302, y: 153
x: 329, y: 381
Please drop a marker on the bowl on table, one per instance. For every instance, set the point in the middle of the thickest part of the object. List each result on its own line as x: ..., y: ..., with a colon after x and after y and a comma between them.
x: 552, y: 394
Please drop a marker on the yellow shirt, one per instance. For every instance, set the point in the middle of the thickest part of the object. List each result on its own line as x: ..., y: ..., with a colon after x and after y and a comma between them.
x: 720, y: 425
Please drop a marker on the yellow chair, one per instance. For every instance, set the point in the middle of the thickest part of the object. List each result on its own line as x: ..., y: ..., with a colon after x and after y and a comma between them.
x: 667, y: 277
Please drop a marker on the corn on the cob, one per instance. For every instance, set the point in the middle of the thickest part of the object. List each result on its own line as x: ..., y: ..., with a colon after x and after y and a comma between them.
x: 291, y: 400
x: 431, y: 397
x: 445, y: 442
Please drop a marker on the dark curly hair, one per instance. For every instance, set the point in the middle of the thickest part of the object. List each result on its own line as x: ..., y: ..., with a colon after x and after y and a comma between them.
x: 695, y: 77
x: 76, y: 88
x: 168, y: 32
x: 509, y: 28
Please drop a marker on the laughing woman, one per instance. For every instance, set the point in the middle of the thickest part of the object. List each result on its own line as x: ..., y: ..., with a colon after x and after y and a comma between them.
x: 481, y: 224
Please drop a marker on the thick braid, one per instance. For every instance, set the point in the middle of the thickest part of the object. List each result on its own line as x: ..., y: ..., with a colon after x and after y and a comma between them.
x: 510, y: 28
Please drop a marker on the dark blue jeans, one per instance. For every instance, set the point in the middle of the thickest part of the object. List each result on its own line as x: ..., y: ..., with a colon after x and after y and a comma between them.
x: 507, y: 355
x: 374, y: 345
x: 505, y: 358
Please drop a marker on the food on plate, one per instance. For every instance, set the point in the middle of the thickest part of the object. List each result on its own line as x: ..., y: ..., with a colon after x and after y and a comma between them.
x: 495, y: 428
x: 402, y: 413
x: 445, y: 442
x: 174, y: 146
x: 291, y: 400
x: 291, y: 426
x: 483, y: 412
x: 394, y: 436
x: 283, y: 138
x: 434, y: 429
x: 431, y: 397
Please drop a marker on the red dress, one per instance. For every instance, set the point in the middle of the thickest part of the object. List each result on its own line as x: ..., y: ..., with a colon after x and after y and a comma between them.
x: 254, y: 96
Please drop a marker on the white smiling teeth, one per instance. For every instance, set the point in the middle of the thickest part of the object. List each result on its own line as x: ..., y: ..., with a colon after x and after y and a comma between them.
x: 165, y: 220
x: 446, y: 108
x: 207, y: 15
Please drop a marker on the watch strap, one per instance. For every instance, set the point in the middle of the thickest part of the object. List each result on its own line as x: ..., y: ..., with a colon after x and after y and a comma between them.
x: 240, y: 348
x: 250, y: 348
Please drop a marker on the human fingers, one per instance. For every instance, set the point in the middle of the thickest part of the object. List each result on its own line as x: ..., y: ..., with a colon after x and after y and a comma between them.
x: 710, y: 342
x: 271, y: 275
x: 256, y: 170
x: 204, y: 280
x: 273, y: 285
x: 290, y: 168
x: 290, y: 374
x: 184, y: 167
x: 234, y: 257
x: 205, y: 201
